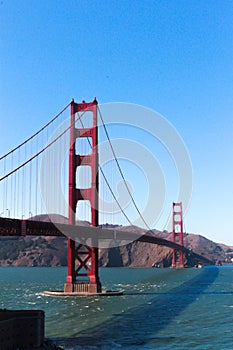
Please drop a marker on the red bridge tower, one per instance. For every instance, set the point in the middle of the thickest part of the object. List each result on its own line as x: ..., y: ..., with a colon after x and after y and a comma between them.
x: 83, y: 274
x: 177, y: 232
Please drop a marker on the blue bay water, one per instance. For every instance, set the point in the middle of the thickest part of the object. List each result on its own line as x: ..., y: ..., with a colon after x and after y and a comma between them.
x: 160, y: 308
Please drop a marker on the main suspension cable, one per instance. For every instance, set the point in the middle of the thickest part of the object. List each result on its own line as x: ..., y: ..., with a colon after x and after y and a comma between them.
x: 121, y: 172
x: 106, y: 180
x: 37, y: 133
x: 41, y: 151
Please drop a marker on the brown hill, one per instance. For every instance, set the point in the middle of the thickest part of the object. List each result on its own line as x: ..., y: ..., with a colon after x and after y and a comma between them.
x: 52, y: 251
x: 144, y: 254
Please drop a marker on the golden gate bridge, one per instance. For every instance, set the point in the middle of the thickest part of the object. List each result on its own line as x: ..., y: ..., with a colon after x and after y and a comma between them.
x: 43, y: 175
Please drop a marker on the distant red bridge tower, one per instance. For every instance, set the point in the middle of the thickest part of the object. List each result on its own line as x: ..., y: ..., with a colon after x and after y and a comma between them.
x: 83, y: 273
x: 177, y: 234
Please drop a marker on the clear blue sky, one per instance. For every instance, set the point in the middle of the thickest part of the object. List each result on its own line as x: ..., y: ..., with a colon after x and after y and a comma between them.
x: 174, y: 57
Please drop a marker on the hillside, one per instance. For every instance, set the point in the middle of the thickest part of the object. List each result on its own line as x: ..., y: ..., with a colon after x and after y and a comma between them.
x: 144, y: 254
x: 52, y: 251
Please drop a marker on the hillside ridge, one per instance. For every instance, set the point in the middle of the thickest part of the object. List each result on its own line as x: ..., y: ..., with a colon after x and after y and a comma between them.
x: 52, y: 251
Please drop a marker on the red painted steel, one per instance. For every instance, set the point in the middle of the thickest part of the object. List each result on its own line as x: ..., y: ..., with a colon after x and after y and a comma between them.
x: 83, y: 259
x: 177, y: 232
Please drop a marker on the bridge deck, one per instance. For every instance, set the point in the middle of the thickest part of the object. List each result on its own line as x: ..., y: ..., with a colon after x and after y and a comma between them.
x: 17, y: 227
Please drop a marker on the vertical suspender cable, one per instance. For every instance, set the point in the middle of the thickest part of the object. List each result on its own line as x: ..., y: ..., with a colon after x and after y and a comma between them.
x: 4, y: 189
x: 121, y: 173
x: 30, y: 185
x: 41, y: 201
x: 23, y: 186
x: 59, y: 155
x: 11, y: 186
x: 36, y: 179
x: 18, y: 185
x: 14, y: 189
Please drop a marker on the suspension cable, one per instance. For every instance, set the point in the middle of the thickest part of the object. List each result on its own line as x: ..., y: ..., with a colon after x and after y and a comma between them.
x: 41, y: 151
x: 109, y: 186
x: 121, y: 173
x: 38, y: 132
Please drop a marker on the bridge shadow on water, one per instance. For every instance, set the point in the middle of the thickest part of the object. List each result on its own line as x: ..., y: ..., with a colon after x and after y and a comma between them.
x: 139, y: 325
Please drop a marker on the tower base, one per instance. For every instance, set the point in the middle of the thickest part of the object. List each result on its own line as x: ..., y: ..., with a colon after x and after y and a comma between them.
x: 178, y: 266
x: 82, y: 287
x: 61, y: 293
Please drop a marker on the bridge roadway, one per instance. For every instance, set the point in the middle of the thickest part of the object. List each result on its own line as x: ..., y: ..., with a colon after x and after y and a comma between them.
x: 17, y: 227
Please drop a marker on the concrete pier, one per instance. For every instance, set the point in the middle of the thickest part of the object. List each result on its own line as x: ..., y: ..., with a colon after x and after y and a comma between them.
x: 61, y: 293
